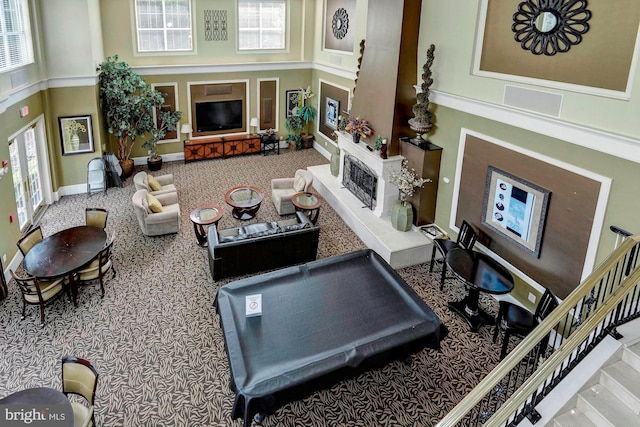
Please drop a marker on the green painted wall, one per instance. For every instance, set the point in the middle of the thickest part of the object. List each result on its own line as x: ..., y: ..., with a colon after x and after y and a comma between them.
x: 624, y: 199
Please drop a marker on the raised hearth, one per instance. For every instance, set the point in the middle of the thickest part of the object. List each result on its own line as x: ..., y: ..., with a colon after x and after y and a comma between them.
x: 373, y: 227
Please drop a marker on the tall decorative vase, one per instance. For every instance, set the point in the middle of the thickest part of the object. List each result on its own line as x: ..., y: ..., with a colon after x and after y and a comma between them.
x: 356, y: 138
x: 75, y: 142
x: 335, y: 163
x: 402, y: 215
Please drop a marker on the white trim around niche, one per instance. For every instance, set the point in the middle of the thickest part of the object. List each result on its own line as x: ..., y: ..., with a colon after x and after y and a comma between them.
x: 175, y: 92
x: 350, y: 96
x: 598, y: 218
x: 593, y: 139
x: 608, y: 93
x: 259, y: 99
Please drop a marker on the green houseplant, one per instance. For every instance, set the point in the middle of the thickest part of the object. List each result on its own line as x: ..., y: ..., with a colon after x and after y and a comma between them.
x: 166, y: 121
x: 294, y: 126
x: 307, y: 113
x: 127, y: 103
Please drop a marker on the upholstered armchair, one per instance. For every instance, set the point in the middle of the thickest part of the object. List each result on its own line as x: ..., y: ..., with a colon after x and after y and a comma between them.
x: 154, y: 184
x: 283, y: 188
x: 156, y: 220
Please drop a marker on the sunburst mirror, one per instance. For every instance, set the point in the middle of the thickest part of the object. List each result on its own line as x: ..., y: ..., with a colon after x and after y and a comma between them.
x: 550, y: 26
x: 340, y: 23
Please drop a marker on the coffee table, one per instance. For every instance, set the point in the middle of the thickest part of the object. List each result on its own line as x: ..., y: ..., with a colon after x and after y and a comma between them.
x: 308, y: 204
x: 204, y: 215
x: 245, y: 201
x: 481, y: 274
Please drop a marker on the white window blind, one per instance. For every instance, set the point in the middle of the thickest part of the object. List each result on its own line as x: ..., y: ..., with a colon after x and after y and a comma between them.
x: 16, y: 48
x: 164, y: 25
x: 261, y: 24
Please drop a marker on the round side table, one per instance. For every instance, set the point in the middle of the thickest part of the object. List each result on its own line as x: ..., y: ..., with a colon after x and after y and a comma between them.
x: 307, y: 203
x: 205, y: 215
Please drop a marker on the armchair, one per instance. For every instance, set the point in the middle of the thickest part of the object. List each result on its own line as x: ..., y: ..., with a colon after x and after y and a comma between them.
x: 283, y: 188
x: 141, y: 181
x: 156, y: 224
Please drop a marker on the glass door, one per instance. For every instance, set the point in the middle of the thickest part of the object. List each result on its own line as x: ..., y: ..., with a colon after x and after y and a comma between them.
x: 27, y: 179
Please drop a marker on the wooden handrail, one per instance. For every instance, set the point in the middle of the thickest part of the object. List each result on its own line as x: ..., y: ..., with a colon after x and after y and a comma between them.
x: 528, y: 344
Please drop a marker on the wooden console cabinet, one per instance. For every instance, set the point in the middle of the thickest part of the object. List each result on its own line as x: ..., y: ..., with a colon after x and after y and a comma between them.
x: 425, y: 160
x: 220, y: 147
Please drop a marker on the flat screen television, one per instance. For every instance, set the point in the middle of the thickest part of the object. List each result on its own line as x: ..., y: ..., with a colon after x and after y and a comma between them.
x: 218, y: 115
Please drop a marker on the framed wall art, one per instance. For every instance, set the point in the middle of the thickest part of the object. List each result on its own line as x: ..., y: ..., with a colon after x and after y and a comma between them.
x: 294, y: 101
x: 333, y: 111
x: 76, y: 135
x: 515, y: 209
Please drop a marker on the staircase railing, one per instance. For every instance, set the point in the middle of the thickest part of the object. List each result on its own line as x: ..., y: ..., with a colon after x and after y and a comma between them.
x: 608, y: 298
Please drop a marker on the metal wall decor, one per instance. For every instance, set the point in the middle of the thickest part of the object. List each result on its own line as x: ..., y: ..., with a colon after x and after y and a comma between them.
x: 550, y: 26
x: 215, y: 25
x: 340, y: 23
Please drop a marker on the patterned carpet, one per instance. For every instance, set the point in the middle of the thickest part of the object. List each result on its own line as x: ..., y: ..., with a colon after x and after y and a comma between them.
x: 157, y: 342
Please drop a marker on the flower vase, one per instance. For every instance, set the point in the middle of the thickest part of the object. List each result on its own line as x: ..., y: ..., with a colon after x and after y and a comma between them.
x: 356, y: 138
x: 335, y: 163
x: 74, y: 142
x: 402, y: 215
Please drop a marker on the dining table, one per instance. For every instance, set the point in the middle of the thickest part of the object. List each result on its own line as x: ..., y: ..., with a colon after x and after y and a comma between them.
x: 45, y: 405
x: 63, y: 253
x: 480, y: 273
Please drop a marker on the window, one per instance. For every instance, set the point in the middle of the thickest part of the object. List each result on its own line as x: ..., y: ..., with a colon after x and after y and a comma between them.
x: 261, y: 24
x: 164, y: 25
x: 16, y: 48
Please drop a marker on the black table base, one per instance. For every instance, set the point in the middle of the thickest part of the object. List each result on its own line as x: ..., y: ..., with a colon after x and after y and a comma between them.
x: 475, y: 318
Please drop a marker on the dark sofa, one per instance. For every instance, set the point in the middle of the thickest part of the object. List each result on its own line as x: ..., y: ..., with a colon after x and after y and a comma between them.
x: 262, y: 246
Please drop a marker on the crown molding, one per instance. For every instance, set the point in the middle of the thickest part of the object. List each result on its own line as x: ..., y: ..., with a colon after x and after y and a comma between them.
x: 220, y: 68
x: 593, y: 139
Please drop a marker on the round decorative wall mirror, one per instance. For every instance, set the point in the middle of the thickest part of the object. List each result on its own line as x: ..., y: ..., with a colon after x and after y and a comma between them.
x: 550, y: 26
x: 340, y: 23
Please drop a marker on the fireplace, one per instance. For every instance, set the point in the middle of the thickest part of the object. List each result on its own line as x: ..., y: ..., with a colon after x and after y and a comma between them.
x: 361, y: 180
x: 371, y: 173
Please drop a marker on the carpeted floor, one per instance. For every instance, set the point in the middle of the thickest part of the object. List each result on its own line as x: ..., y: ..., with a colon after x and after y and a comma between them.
x: 157, y: 342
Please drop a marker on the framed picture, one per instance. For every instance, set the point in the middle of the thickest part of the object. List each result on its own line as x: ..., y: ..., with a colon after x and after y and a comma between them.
x: 294, y: 101
x: 76, y: 135
x: 515, y: 209
x: 333, y: 111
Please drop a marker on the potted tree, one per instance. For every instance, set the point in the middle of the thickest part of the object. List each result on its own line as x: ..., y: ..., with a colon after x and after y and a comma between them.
x: 127, y: 102
x: 307, y: 113
x: 294, y: 126
x: 166, y: 121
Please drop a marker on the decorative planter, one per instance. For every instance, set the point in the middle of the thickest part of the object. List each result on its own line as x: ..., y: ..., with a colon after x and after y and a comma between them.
x: 402, y: 215
x: 154, y: 164
x: 356, y: 138
x: 307, y: 141
x: 335, y: 163
x: 127, y: 167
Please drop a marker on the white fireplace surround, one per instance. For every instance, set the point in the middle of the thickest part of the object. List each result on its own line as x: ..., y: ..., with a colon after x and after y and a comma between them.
x: 386, y: 192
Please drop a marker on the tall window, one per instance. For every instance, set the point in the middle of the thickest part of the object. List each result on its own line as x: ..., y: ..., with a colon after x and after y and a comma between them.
x: 16, y: 48
x: 164, y: 25
x: 261, y: 24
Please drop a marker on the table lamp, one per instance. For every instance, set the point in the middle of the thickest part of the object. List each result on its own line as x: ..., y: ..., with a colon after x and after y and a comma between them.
x: 186, y: 129
x: 254, y: 123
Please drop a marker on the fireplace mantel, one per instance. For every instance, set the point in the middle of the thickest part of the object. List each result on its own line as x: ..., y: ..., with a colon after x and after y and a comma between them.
x: 386, y: 193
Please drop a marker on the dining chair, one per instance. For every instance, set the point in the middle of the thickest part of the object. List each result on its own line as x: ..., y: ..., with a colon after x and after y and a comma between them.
x: 80, y: 377
x: 466, y: 239
x: 29, y: 240
x: 38, y: 292
x: 96, y: 217
x: 516, y: 320
x: 96, y: 176
x: 99, y: 267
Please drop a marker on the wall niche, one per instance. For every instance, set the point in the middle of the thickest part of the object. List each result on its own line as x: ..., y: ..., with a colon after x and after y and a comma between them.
x: 218, y: 108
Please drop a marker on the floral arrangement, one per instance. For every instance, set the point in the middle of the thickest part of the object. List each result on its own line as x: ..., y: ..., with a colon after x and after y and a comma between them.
x: 355, y: 125
x: 406, y: 180
x: 73, y: 127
